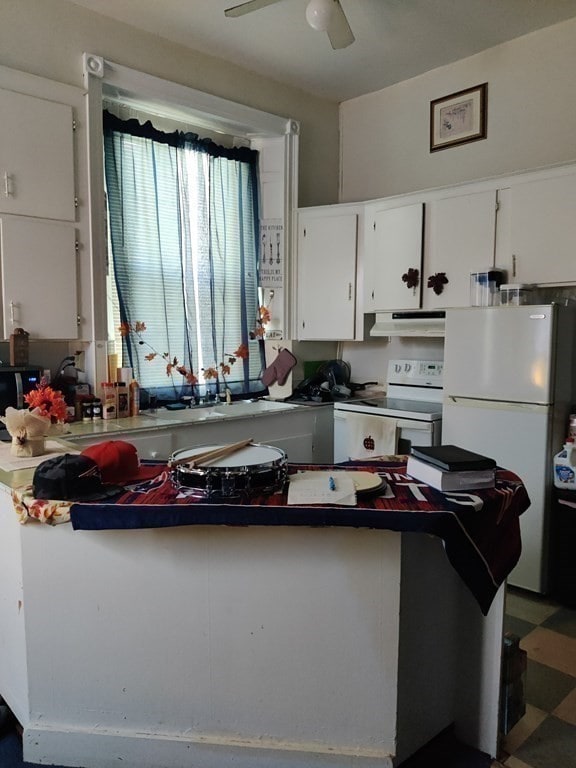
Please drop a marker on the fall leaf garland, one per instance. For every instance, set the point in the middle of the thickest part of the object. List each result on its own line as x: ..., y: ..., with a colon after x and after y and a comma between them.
x: 172, y: 364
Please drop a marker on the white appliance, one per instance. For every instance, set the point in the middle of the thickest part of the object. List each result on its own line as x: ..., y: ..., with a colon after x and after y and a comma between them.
x: 508, y: 386
x: 414, y: 399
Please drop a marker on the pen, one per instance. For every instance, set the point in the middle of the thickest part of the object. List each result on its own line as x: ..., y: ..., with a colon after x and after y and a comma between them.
x: 331, y: 483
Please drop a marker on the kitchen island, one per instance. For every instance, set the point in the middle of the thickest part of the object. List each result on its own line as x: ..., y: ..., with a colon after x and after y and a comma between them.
x: 242, y: 644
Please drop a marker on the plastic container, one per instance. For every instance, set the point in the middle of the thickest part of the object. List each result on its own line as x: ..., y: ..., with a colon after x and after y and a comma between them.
x: 484, y: 287
x: 565, y: 466
x: 516, y: 295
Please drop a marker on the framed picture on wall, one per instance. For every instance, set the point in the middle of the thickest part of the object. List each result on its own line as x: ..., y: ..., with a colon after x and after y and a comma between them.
x: 458, y: 118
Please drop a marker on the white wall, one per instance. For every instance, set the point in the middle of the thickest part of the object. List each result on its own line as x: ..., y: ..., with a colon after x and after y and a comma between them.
x: 48, y: 37
x: 531, y: 120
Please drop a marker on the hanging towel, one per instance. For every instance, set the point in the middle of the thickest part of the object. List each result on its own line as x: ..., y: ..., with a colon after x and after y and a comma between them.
x: 371, y: 436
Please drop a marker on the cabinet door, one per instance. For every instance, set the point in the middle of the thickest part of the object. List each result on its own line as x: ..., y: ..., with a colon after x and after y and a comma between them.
x: 39, y: 290
x: 394, y: 274
x: 155, y: 445
x: 36, y: 157
x: 459, y: 239
x: 326, y: 286
x: 542, y: 222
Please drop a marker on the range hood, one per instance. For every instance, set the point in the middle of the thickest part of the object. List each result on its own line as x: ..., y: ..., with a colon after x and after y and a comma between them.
x: 409, y: 323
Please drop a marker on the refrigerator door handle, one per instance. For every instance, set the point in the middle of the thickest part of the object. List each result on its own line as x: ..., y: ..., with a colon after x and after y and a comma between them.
x: 494, y: 405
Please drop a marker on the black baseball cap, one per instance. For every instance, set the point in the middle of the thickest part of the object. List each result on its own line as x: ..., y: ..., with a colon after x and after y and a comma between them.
x: 71, y: 477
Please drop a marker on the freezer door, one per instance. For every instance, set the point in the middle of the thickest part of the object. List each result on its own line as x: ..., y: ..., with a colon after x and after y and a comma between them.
x: 500, y: 353
x: 518, y: 437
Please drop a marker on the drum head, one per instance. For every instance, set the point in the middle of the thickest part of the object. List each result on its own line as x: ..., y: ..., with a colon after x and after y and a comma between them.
x: 249, y: 456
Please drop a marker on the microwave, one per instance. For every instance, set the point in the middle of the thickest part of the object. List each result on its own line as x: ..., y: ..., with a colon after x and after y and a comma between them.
x: 15, y: 382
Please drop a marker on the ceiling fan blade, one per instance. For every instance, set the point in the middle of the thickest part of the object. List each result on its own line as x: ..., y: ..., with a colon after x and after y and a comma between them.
x: 251, y: 5
x: 339, y: 32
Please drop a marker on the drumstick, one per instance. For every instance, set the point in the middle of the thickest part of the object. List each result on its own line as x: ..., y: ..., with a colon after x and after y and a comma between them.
x: 218, y: 453
x: 212, y: 454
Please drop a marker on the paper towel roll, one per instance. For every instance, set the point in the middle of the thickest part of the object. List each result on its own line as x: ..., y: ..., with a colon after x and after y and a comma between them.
x: 125, y: 375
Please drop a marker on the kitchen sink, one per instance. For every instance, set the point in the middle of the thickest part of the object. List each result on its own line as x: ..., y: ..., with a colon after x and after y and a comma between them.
x: 239, y: 409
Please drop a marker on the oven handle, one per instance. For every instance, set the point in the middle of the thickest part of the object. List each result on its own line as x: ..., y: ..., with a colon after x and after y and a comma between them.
x: 423, y: 426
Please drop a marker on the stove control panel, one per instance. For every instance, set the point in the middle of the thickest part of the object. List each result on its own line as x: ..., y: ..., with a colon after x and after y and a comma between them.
x: 415, y: 373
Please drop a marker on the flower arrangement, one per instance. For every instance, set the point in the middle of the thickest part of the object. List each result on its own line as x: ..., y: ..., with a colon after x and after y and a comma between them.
x: 29, y: 428
x: 47, y: 402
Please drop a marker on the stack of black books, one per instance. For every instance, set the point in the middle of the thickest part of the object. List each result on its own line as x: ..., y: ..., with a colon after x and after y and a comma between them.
x: 451, y: 468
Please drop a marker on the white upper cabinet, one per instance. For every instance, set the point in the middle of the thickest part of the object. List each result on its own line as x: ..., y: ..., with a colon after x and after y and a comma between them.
x: 39, y: 290
x: 537, y: 230
x: 393, y: 270
x: 459, y: 239
x: 326, y: 287
x: 36, y: 157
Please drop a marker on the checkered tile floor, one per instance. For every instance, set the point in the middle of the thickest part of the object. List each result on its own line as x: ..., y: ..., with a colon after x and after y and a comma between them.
x: 546, y: 736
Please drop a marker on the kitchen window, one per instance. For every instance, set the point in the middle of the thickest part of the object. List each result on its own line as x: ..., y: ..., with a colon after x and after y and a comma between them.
x: 183, y: 230
x: 166, y: 102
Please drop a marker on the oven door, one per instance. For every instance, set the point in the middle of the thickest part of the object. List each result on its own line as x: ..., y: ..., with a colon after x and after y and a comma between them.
x: 411, y: 432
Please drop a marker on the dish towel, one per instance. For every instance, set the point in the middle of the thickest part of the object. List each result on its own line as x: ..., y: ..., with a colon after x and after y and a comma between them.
x: 371, y: 436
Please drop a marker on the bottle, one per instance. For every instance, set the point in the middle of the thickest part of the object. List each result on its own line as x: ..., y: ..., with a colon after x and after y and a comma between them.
x: 87, y: 406
x: 565, y: 466
x: 96, y: 408
x: 122, y: 405
x: 108, y: 400
x: 134, y: 398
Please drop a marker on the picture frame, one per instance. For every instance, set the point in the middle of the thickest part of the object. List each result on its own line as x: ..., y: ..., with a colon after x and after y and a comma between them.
x: 459, y: 118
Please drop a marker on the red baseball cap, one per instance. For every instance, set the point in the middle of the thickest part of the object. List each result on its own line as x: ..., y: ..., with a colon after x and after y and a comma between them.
x: 119, y: 463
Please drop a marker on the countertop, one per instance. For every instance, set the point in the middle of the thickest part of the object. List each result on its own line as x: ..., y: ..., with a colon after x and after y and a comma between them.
x: 160, y: 420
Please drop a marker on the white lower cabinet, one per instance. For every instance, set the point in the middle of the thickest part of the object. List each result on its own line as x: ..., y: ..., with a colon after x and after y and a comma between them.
x: 39, y: 277
x: 151, y: 444
x: 303, y: 434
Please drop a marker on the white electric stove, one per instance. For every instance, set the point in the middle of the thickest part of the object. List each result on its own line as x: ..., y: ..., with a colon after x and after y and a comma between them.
x: 413, y: 397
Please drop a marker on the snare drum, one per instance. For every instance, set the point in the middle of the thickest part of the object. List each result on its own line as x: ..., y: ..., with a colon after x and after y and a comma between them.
x: 254, y: 469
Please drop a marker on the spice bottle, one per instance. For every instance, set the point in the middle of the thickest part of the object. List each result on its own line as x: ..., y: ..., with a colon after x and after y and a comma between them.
x: 108, y: 400
x: 122, y: 406
x: 134, y: 398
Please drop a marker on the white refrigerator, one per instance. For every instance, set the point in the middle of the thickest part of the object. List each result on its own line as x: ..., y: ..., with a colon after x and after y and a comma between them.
x: 508, y: 387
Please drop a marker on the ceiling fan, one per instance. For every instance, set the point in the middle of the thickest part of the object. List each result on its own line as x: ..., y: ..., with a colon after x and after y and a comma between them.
x: 323, y: 15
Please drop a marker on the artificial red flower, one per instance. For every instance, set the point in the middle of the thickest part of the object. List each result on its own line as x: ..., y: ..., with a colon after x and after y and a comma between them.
x: 49, y: 402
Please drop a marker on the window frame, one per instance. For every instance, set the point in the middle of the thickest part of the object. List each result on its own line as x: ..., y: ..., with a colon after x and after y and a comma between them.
x: 106, y: 79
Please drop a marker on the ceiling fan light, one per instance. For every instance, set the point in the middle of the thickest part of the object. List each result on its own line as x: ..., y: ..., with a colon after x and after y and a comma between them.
x: 319, y: 14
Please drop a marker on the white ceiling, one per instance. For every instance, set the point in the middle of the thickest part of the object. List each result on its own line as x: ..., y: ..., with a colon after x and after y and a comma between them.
x: 395, y: 39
